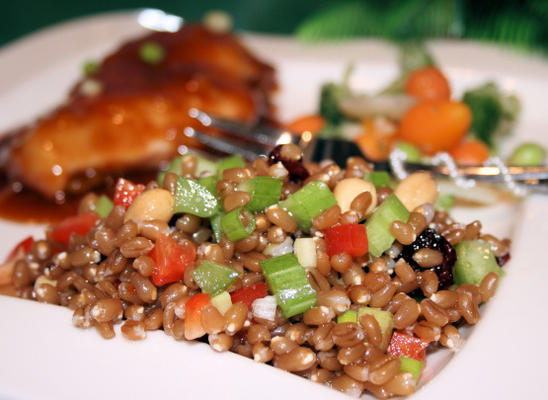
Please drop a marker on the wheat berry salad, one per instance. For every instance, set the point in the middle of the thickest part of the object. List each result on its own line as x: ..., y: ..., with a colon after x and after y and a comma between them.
x: 339, y: 275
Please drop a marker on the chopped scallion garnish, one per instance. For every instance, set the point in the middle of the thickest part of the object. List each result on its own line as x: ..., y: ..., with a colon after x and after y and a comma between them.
x: 152, y: 53
x: 233, y: 226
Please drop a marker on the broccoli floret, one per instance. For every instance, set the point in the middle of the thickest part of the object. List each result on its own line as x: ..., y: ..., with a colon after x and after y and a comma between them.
x: 331, y: 94
x: 493, y: 112
x: 412, y: 56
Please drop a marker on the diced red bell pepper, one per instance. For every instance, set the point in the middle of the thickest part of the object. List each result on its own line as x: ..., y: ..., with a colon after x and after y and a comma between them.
x: 80, y: 224
x: 249, y: 294
x: 23, y: 246
x: 403, y: 344
x: 126, y: 191
x: 193, y: 315
x: 347, y: 238
x: 171, y: 259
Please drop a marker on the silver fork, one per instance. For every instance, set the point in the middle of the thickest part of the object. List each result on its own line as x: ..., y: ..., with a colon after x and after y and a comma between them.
x: 253, y: 140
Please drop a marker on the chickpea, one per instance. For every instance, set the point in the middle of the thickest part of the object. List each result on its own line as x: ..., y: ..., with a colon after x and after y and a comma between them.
x: 150, y: 205
x: 347, y: 190
x: 417, y: 189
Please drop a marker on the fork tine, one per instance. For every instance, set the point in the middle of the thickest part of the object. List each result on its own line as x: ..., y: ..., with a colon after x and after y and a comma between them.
x: 260, y: 133
x: 249, y: 151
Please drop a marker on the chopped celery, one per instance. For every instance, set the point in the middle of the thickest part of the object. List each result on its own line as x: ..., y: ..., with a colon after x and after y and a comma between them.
x: 213, y: 278
x: 222, y: 302
x: 287, y: 280
x: 309, y: 202
x: 378, y: 225
x: 209, y: 182
x: 194, y: 198
x: 215, y: 222
x: 264, y: 192
x: 378, y: 178
x: 347, y: 316
x: 305, y: 250
x: 103, y: 206
x: 385, y: 320
x: 474, y: 260
x: 204, y: 167
x: 233, y: 227
x: 234, y: 161
x: 411, y: 365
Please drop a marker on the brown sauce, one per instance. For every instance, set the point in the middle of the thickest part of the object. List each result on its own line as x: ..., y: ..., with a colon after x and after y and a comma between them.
x: 28, y: 206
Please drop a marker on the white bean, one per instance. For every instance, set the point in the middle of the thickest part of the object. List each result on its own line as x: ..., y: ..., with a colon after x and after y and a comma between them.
x: 347, y: 190
x: 151, y: 204
x: 417, y: 189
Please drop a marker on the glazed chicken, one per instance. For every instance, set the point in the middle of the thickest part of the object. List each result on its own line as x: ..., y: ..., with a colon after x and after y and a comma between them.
x: 130, y: 114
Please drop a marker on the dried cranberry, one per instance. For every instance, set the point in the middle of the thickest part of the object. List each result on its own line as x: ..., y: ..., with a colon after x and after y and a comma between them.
x: 296, y: 168
x: 503, y: 259
x: 429, y: 238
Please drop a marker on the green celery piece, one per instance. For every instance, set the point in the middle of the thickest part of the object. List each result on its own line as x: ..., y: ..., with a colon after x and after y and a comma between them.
x: 309, y: 202
x: 378, y: 178
x: 103, y: 206
x: 347, y: 316
x: 203, y: 166
x: 235, y: 161
x: 209, y: 182
x: 215, y: 222
x: 378, y: 224
x: 287, y: 280
x: 385, y: 319
x: 213, y: 278
x: 233, y: 228
x: 193, y: 198
x: 411, y: 365
x: 474, y: 260
x: 264, y: 192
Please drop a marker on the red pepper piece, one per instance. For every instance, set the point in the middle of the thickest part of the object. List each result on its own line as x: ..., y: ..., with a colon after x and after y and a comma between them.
x: 126, y: 191
x: 193, y: 315
x: 79, y: 224
x: 347, y: 238
x: 249, y: 294
x: 23, y: 246
x: 171, y: 259
x: 403, y: 344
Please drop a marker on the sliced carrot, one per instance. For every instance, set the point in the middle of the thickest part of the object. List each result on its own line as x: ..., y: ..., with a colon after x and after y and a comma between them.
x: 428, y: 83
x: 435, y: 126
x: 377, y: 139
x: 312, y: 123
x: 470, y: 152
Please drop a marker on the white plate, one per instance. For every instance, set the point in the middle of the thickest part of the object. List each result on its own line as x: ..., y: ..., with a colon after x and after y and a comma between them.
x: 43, y: 356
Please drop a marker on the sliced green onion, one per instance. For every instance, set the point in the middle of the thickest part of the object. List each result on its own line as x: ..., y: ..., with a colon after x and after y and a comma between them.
x: 193, y: 198
x: 213, y: 278
x: 89, y: 68
x: 412, y: 153
x: 103, y: 206
x: 309, y: 202
x: 378, y: 178
x: 210, y: 183
x: 152, y: 53
x: 411, y: 365
x: 305, y: 250
x: 347, y: 316
x: 222, y: 302
x: 385, y: 319
x: 287, y: 280
x: 235, y: 161
x: 264, y: 192
x: 216, y: 228
x: 233, y: 227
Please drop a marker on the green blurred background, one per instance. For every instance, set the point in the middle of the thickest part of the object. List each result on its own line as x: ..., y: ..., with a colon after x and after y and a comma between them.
x: 520, y: 23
